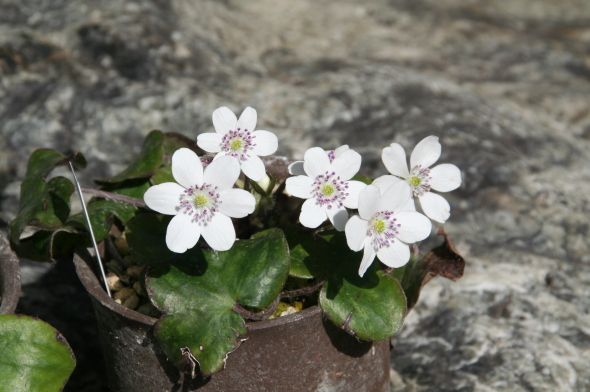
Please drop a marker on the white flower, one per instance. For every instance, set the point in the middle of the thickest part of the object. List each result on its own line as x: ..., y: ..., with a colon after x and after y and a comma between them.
x: 296, y: 168
x: 325, y: 183
x: 421, y: 177
x: 202, y: 202
x: 383, y: 229
x: 237, y: 138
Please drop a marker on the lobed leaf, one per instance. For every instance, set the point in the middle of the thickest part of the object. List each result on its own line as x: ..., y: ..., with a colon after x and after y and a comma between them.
x: 146, y: 237
x: 198, y: 290
x: 43, y: 204
x: 46, y: 245
x: 35, y: 357
x: 155, y: 155
x: 146, y: 163
x: 101, y: 212
x: 310, y: 253
x: 372, y: 307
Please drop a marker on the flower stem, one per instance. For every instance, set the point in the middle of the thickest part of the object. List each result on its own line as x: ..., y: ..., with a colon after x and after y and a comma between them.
x: 114, y: 196
x: 271, y: 185
x: 302, y: 291
x: 257, y: 316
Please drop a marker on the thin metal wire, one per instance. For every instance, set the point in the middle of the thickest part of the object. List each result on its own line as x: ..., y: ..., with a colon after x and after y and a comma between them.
x: 98, y: 259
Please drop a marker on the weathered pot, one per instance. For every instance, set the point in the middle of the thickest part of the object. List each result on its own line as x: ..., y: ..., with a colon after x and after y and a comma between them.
x: 296, y: 353
x: 9, y: 277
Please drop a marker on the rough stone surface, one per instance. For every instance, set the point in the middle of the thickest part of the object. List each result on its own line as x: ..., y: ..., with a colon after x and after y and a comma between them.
x: 505, y: 84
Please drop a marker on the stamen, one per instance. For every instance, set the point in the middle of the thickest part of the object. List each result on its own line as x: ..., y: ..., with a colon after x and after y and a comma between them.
x: 331, y: 155
x: 383, y: 228
x: 200, y: 203
x: 330, y: 190
x: 419, y: 180
x: 238, y: 143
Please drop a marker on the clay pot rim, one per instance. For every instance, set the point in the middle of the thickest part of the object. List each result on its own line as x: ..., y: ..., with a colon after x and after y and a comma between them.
x: 10, y: 284
x: 95, y: 289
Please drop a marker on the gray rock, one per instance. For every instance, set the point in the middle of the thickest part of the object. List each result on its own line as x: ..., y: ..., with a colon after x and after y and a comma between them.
x: 505, y: 85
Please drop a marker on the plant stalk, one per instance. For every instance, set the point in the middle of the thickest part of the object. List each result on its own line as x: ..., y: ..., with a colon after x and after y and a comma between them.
x: 257, y: 316
x: 302, y: 291
x: 114, y: 196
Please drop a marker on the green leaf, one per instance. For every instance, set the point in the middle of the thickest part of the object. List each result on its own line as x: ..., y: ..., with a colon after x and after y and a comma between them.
x: 365, y: 179
x: 146, y: 163
x: 198, y: 291
x: 173, y: 141
x: 162, y: 175
x: 209, y: 335
x: 101, y: 212
x: 372, y: 307
x: 36, y: 247
x: 146, y: 237
x: 35, y: 357
x: 156, y: 153
x: 60, y: 191
x: 46, y: 245
x: 309, y: 253
x: 131, y: 188
x: 43, y: 204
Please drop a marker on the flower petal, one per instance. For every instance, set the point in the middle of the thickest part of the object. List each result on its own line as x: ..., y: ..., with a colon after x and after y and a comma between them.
x: 266, y: 143
x: 410, y: 205
x: 311, y: 214
x: 396, y: 255
x: 224, y: 120
x: 426, y: 152
x: 435, y: 207
x: 299, y: 186
x: 347, y: 164
x: 368, y: 257
x: 219, y: 232
x: 187, y: 168
x: 413, y: 227
x: 247, y: 119
x: 394, y: 159
x: 445, y: 177
x: 182, y: 233
x: 395, y: 197
x: 368, y: 201
x: 264, y: 183
x: 356, y: 232
x: 296, y: 168
x: 340, y: 150
x: 338, y: 217
x: 236, y: 203
x: 253, y: 168
x: 354, y: 190
x: 223, y: 172
x: 315, y: 162
x: 384, y: 182
x: 164, y: 198
x: 210, y: 141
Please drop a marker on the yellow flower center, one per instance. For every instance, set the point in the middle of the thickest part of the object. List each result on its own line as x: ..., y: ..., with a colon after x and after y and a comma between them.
x: 415, y: 181
x: 201, y: 200
x: 328, y: 189
x: 236, y: 144
x: 379, y: 226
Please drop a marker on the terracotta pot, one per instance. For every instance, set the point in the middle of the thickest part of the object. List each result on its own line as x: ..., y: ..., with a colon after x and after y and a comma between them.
x: 296, y: 353
x: 9, y: 277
